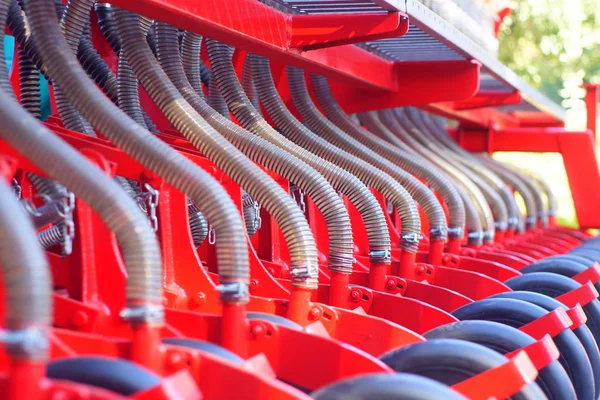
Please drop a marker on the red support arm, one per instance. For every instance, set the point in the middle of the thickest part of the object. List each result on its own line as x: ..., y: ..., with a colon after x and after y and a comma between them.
x: 579, y: 157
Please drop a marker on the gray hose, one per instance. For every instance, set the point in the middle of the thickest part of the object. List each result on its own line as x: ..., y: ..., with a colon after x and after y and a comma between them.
x: 73, y: 24
x: 214, y: 147
x: 306, y: 167
x: 127, y: 91
x: 177, y: 170
x: 470, y: 162
x: 216, y: 100
x: 515, y: 181
x: 249, y: 86
x: 546, y: 189
x: 422, y: 195
x: 190, y: 55
x: 343, y: 181
x: 4, y: 77
x: 29, y: 84
x: 419, y: 167
x: 26, y: 277
x: 137, y: 241
x: 386, y: 179
x: 493, y: 209
x: 278, y: 203
x: 397, y: 135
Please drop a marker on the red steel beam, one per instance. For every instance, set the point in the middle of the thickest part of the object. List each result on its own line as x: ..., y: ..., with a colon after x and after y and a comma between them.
x: 591, y: 105
x: 578, y: 152
x: 484, y: 99
x: 255, y: 27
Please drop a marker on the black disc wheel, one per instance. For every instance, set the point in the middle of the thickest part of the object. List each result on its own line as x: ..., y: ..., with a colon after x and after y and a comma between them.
x: 387, y: 387
x: 451, y: 361
x: 119, y: 376
x: 517, y: 313
x: 553, y: 379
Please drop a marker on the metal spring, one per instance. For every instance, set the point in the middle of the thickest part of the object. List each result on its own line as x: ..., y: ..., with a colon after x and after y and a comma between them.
x: 198, y: 227
x: 51, y: 237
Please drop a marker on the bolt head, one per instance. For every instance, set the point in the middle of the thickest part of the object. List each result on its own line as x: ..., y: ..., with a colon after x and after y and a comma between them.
x: 391, y: 284
x: 175, y: 359
x: 254, y: 285
x: 316, y: 313
x: 257, y: 330
x: 421, y: 270
x: 80, y: 319
x: 355, y: 294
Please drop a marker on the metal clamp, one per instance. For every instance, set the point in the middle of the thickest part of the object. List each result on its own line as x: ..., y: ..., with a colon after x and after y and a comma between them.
x: 212, y: 236
x: 234, y: 291
x: 17, y: 188
x: 300, y: 199
x: 144, y: 314
x: 257, y: 218
x: 67, y: 227
x: 148, y: 202
x: 25, y: 342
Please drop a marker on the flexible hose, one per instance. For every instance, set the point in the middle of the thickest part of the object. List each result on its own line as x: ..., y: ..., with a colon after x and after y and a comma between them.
x: 140, y: 248
x: 423, y: 196
x: 216, y: 100
x: 520, y: 186
x: 534, y: 189
x: 190, y: 55
x: 75, y: 18
x: 275, y: 201
x: 214, y: 147
x: 551, y: 199
x: 470, y: 162
x: 380, y: 180
x: 308, y: 171
x: 420, y: 167
x: 26, y: 277
x: 249, y: 86
x: 127, y: 91
x: 403, y: 140
x: 412, y: 135
x: 345, y: 182
x: 29, y: 84
x: 493, y: 208
x: 232, y: 255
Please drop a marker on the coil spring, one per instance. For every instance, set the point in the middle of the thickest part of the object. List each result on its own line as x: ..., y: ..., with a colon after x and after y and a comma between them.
x: 51, y: 237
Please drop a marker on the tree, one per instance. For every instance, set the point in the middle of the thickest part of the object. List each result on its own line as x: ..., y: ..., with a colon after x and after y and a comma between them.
x: 555, y: 46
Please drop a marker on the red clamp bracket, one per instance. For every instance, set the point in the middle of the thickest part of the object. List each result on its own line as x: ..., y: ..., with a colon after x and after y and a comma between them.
x: 500, y: 382
x: 552, y: 324
x: 541, y: 352
x: 592, y: 274
x: 583, y: 295
x: 577, y: 315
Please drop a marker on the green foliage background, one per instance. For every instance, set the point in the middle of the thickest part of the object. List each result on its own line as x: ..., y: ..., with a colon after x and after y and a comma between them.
x: 554, y: 45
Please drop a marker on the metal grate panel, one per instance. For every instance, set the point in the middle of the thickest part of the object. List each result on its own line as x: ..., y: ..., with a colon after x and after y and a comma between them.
x: 334, y: 6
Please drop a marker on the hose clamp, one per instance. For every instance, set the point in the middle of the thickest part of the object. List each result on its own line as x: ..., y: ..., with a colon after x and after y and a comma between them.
x: 475, y: 235
x: 501, y: 225
x: 149, y: 313
x: 380, y: 256
x: 552, y: 212
x: 17, y: 188
x: 439, y: 233
x: 541, y: 214
x: 305, y: 277
x: 234, y: 292
x: 457, y: 232
x: 488, y: 236
x: 29, y: 343
x: 411, y: 238
x: 513, y: 222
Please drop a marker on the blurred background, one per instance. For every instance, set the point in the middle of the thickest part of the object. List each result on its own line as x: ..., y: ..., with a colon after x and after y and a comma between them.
x: 554, y: 45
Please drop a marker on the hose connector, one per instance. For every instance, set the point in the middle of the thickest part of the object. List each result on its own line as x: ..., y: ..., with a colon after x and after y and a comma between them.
x: 234, y: 292
x: 144, y: 314
x: 456, y: 233
x: 380, y: 256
